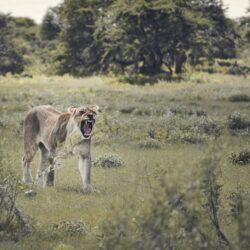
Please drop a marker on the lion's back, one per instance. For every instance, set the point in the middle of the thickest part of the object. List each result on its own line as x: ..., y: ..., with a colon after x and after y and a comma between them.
x: 39, y: 122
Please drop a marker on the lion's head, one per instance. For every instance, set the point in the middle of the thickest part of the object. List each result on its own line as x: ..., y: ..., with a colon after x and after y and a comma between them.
x: 84, y: 118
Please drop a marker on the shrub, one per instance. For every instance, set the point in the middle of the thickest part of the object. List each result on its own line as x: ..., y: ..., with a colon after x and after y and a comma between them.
x: 158, y: 133
x: 108, y: 161
x: 70, y: 228
x: 150, y: 143
x: 185, y: 111
x: 239, y: 70
x: 237, y: 121
x: 209, y: 127
x: 12, y: 221
x: 191, y: 137
x: 142, y: 111
x: 239, y: 98
x: 127, y: 110
x: 193, y: 129
x: 138, y: 79
x: 11, y: 58
x: 242, y: 158
x: 211, y: 189
x: 240, y: 211
x: 170, y: 221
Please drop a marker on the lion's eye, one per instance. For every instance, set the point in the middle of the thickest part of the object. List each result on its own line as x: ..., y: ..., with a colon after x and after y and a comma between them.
x: 81, y: 112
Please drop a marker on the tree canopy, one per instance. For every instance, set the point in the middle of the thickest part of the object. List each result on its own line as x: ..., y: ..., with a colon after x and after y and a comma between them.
x: 83, y: 37
x: 11, y: 59
x: 142, y: 36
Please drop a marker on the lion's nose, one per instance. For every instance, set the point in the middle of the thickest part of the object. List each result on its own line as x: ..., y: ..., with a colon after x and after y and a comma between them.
x: 90, y: 116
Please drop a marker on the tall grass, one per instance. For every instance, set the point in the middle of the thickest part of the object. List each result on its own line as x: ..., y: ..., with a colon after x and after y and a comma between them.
x: 161, y: 197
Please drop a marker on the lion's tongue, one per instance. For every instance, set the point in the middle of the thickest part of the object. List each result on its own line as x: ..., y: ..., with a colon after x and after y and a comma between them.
x: 87, y: 128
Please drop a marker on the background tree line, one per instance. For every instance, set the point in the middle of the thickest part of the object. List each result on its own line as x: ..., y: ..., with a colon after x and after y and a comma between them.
x: 83, y: 37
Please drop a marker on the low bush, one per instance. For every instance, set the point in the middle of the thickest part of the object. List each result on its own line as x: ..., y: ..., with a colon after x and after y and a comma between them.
x: 70, y: 228
x: 209, y: 127
x: 141, y: 111
x: 127, y: 110
x: 191, y: 137
x: 183, y: 218
x: 143, y: 79
x: 193, y: 129
x: 241, y: 158
x: 238, y: 70
x: 239, y: 98
x: 185, y: 111
x: 108, y: 161
x: 150, y: 143
x: 13, y: 224
x: 237, y: 121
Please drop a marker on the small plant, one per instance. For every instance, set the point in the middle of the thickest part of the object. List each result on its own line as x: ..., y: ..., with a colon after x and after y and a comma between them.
x: 240, y: 213
x: 183, y: 111
x: 71, y: 228
x: 109, y: 161
x: 239, y: 70
x: 127, y: 109
x: 239, y: 98
x: 209, y: 127
x: 13, y: 223
x: 212, y: 190
x: 237, y: 121
x: 192, y: 137
x: 150, y: 143
x: 242, y: 158
x: 12, y: 220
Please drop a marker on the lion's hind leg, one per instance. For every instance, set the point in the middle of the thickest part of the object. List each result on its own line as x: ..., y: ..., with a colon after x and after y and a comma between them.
x: 44, y: 164
x: 51, y: 173
x: 45, y: 175
x: 31, y: 128
x: 27, y: 158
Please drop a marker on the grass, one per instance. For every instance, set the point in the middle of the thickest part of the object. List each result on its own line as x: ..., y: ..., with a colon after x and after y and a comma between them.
x: 159, y: 131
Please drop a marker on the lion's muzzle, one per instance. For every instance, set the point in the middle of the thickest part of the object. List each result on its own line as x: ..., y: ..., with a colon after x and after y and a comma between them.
x: 87, y: 126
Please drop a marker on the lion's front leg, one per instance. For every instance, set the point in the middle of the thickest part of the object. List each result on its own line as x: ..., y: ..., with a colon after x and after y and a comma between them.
x: 85, y: 171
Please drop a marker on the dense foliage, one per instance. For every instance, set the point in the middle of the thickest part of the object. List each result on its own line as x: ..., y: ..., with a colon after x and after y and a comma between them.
x: 19, y: 43
x: 83, y: 37
x: 142, y: 36
x: 11, y: 59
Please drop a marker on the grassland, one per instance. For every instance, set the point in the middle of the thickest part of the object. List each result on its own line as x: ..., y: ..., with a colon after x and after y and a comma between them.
x: 160, y: 131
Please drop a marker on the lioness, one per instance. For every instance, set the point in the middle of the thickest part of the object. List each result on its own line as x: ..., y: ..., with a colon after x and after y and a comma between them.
x: 46, y: 128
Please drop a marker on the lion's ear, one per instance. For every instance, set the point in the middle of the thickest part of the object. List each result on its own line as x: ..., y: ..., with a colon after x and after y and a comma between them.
x: 72, y: 110
x: 95, y: 108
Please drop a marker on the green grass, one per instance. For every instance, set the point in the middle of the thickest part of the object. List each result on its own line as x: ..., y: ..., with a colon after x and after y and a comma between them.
x: 131, y: 117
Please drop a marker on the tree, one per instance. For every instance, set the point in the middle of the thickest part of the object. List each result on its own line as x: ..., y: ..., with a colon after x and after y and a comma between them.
x: 11, y: 59
x: 51, y: 25
x: 146, y: 35
x: 78, y: 17
x: 142, y: 36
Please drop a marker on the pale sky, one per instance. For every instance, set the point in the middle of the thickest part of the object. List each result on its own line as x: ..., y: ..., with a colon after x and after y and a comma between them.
x: 36, y: 9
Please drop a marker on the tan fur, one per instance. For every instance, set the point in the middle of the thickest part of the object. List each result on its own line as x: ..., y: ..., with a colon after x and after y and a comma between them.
x: 45, y: 128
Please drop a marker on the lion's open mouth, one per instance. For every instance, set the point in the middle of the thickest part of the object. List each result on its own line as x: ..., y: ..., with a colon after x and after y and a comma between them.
x: 86, y: 127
